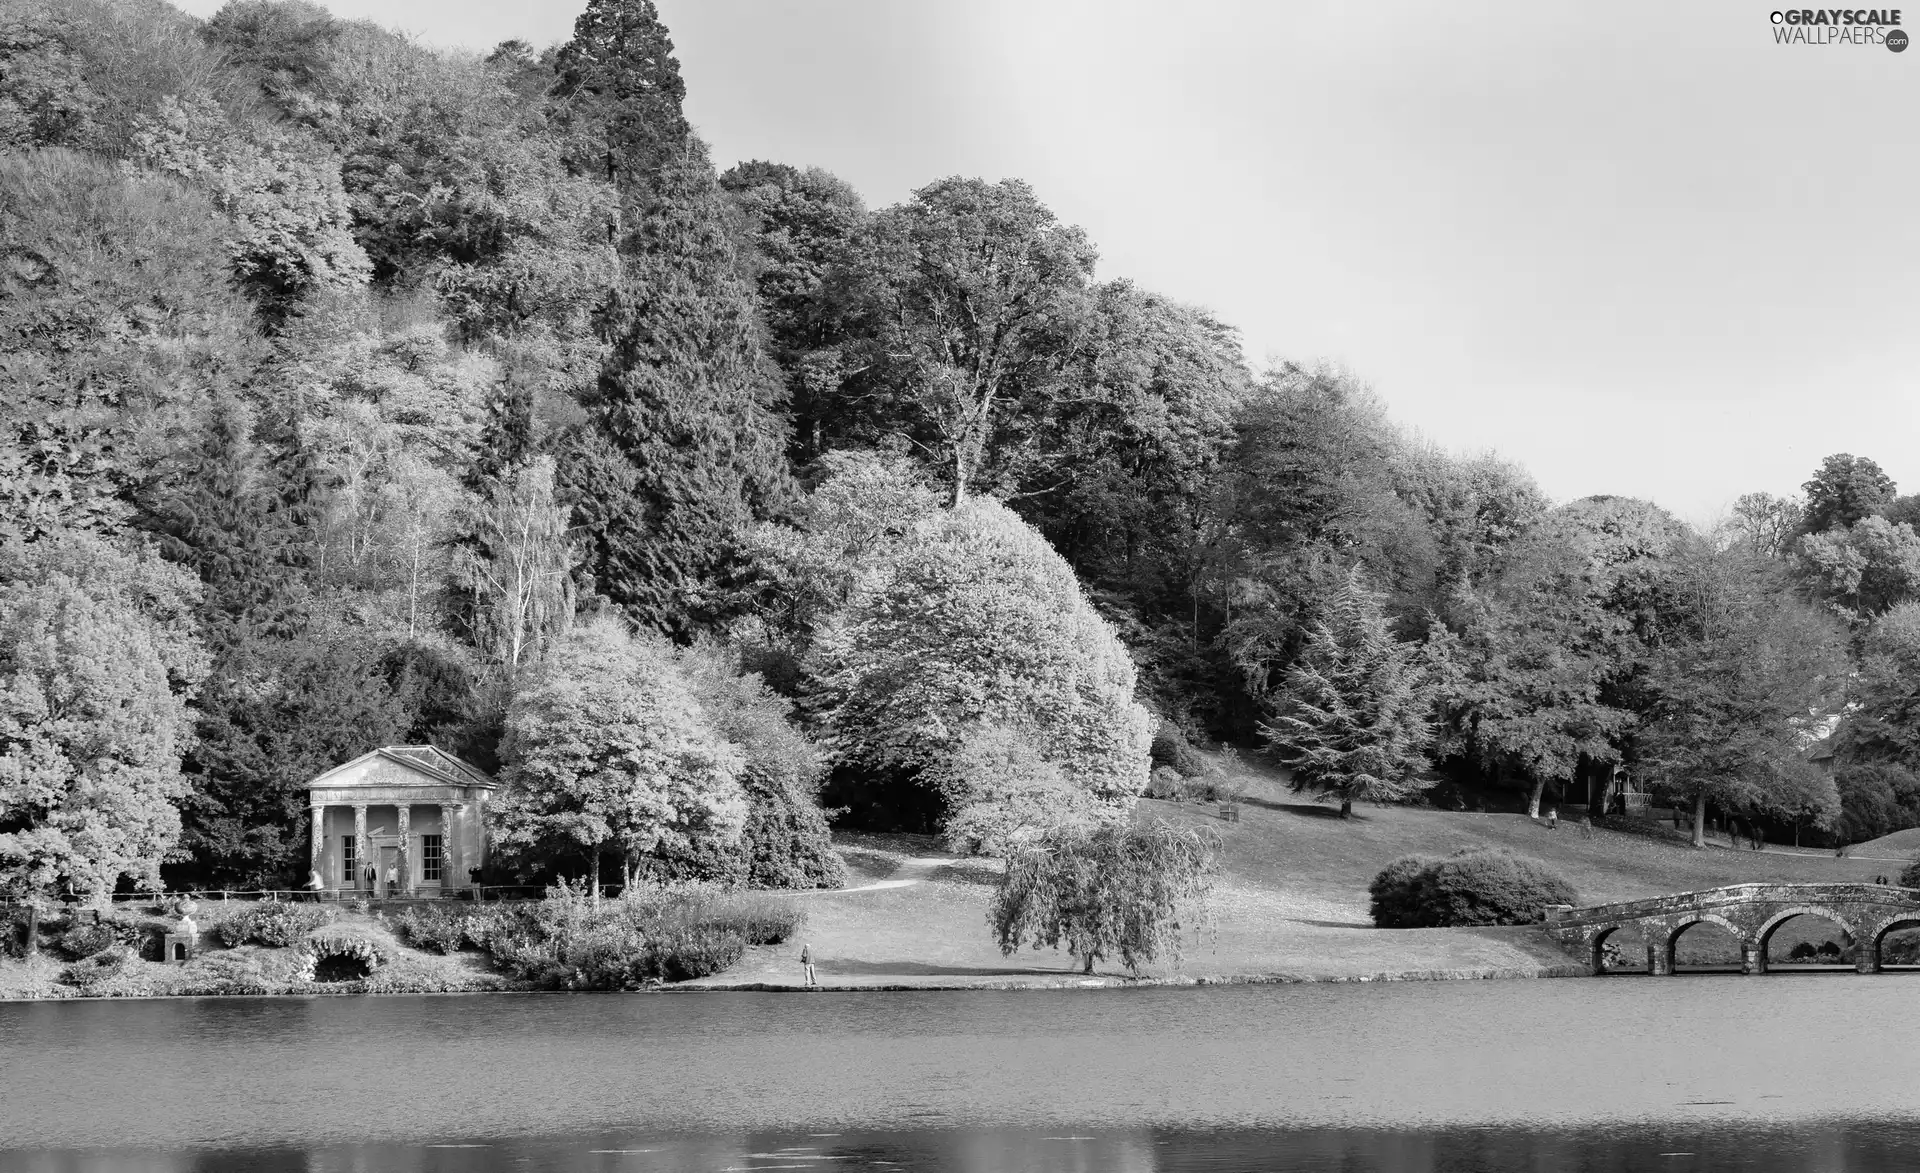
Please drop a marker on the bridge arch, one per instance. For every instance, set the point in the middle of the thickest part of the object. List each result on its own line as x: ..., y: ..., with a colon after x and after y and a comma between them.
x: 1869, y: 945
x: 1764, y: 934
x: 1665, y: 944
x: 1597, y: 946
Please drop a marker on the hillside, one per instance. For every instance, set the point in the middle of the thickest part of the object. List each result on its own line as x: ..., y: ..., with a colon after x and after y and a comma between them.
x: 1291, y: 902
x: 1290, y: 845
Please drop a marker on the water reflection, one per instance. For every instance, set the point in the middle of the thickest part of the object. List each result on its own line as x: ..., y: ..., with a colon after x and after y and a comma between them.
x: 1836, y: 1147
x: 1792, y: 1072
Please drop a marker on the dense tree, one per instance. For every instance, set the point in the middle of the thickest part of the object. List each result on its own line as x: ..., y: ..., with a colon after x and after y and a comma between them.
x: 685, y: 444
x: 1354, y: 718
x: 115, y: 320
x: 619, y: 91
x: 975, y: 620
x: 1843, y: 490
x: 974, y: 296
x: 1525, y: 682
x: 280, y: 709
x: 784, y: 842
x: 807, y: 229
x: 1739, y: 673
x: 1883, y: 718
x: 98, y: 658
x: 1862, y: 571
x: 608, y: 751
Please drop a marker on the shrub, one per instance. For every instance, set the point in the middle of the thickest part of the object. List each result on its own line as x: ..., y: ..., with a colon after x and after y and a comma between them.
x: 1166, y: 783
x: 276, y: 925
x: 432, y: 929
x: 97, y: 968
x: 85, y: 940
x: 568, y: 942
x: 1172, y: 750
x: 1476, y: 886
x: 1395, y: 892
x: 1910, y: 875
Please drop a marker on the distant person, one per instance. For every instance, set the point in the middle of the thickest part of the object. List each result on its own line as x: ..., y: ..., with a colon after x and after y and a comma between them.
x: 393, y: 879
x: 1553, y: 818
x: 314, y: 885
x: 806, y: 962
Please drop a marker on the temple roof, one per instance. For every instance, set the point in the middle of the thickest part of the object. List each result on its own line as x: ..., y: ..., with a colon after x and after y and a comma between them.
x: 435, y: 764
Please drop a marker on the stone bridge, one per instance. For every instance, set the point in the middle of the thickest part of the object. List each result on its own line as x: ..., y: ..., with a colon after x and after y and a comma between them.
x: 1751, y: 912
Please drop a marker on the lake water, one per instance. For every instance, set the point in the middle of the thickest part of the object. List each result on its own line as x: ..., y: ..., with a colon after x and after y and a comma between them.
x: 1784, y: 1072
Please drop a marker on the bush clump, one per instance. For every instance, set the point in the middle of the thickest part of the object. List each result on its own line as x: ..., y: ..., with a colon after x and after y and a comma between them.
x: 84, y: 940
x: 1172, y: 750
x: 275, y: 925
x: 1165, y: 783
x: 1910, y: 875
x: 97, y: 968
x: 1476, y: 886
x: 431, y: 929
x: 567, y: 941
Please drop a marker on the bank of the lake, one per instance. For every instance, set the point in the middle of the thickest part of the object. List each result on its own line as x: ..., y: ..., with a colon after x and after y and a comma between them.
x: 1290, y: 906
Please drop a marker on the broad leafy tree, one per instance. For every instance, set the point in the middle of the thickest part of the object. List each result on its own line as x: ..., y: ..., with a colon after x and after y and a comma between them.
x: 1843, y: 490
x: 98, y: 659
x: 975, y: 620
x: 607, y: 751
x: 1740, y: 672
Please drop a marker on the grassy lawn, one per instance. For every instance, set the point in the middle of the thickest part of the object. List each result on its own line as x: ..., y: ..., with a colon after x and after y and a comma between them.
x: 1291, y: 902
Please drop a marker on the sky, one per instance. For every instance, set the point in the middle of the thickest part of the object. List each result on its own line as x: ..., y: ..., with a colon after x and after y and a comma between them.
x: 1641, y: 249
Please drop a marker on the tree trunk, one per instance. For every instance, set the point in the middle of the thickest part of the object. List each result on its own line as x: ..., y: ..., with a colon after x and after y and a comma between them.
x: 33, y: 929
x: 1700, y: 820
x: 1346, y: 808
x: 1533, y: 800
x: 596, y: 875
x: 1088, y: 967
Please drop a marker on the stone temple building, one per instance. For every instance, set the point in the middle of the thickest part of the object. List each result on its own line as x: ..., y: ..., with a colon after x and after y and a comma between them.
x: 404, y: 820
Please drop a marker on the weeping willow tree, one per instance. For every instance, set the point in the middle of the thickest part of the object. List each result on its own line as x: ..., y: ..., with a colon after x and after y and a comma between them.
x: 1113, y: 889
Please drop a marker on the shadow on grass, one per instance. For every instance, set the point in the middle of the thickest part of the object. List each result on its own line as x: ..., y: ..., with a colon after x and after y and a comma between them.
x: 873, y: 865
x: 922, y: 969
x: 1311, y: 810
x: 1337, y: 924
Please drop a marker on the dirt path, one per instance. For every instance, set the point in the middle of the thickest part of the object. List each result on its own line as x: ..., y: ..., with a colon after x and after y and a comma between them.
x: 911, y: 871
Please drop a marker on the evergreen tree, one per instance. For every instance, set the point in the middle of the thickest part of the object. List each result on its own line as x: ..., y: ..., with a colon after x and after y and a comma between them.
x: 618, y: 93
x: 685, y: 444
x: 1355, y: 722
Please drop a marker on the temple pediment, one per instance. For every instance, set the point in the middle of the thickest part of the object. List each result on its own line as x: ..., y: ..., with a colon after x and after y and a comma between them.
x: 402, y: 766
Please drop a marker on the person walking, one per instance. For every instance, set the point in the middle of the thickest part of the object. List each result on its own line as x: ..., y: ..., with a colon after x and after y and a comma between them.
x: 806, y: 961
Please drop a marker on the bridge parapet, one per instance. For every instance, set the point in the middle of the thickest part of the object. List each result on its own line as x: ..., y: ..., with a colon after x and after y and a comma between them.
x: 1751, y: 912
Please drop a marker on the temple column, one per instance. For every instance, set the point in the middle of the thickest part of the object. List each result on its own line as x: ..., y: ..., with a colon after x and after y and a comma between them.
x: 406, y: 849
x: 360, y: 861
x: 317, y: 855
x: 453, y: 858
